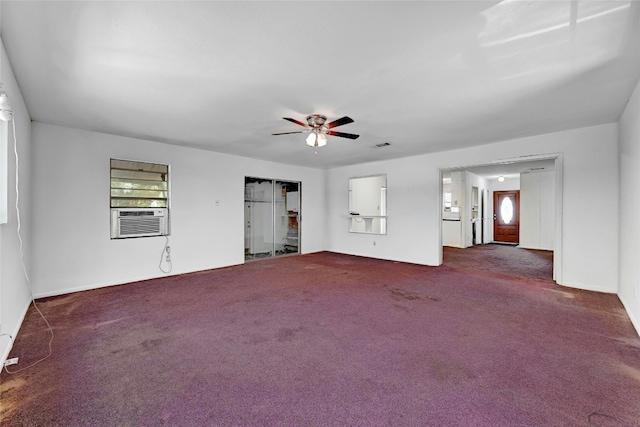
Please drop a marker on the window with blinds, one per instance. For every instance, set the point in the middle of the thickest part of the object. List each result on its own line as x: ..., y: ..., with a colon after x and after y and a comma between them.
x: 139, y: 184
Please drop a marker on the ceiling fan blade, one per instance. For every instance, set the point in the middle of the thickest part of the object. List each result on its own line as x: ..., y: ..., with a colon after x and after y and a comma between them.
x: 288, y: 133
x: 295, y: 121
x: 342, y: 134
x: 342, y: 121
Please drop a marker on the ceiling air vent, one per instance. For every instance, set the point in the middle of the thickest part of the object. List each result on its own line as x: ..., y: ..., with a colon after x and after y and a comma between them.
x: 382, y: 144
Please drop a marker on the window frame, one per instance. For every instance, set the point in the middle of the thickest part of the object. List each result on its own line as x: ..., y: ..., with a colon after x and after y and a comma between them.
x: 146, y: 170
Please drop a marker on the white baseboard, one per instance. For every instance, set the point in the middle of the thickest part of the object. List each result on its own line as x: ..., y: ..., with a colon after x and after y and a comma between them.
x: 66, y: 291
x: 14, y: 334
x: 635, y: 322
x: 89, y: 287
x: 588, y: 287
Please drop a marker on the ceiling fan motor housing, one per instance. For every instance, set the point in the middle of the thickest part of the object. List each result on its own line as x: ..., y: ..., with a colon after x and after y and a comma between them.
x: 316, y: 120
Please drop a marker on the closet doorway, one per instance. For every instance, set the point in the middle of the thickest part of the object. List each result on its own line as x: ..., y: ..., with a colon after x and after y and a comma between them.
x: 271, y: 218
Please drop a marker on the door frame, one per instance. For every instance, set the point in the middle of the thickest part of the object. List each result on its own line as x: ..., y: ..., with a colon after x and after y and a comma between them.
x: 559, y: 165
x: 274, y: 215
x: 497, y: 213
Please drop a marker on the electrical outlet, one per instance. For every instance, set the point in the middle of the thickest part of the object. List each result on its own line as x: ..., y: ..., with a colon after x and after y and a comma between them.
x: 12, y: 361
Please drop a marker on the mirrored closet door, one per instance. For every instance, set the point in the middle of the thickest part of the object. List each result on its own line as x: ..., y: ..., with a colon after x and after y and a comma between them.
x: 271, y: 217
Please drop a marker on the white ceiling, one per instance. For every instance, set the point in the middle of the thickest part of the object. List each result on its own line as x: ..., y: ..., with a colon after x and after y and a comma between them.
x: 425, y: 76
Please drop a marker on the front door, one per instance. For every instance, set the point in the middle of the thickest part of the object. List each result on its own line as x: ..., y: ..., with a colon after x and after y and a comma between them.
x: 506, y: 216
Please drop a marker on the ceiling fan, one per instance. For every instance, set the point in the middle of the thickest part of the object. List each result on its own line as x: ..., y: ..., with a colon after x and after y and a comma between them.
x: 318, y: 129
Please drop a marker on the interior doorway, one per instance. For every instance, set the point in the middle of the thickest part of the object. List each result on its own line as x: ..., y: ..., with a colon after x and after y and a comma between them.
x: 542, y: 176
x: 271, y: 217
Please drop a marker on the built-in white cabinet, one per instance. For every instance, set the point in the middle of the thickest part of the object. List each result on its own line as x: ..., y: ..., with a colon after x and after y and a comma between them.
x: 451, y: 232
x: 537, y: 209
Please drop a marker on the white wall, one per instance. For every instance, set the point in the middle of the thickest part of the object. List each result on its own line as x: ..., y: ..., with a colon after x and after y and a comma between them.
x: 537, y: 209
x: 590, y: 244
x: 629, y: 134
x: 73, y: 250
x: 14, y: 292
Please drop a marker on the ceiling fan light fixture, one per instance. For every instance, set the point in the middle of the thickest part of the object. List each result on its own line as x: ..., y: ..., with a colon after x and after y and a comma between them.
x: 316, y: 139
x: 311, y: 139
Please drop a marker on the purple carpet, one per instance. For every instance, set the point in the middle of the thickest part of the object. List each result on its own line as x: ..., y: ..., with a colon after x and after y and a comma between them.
x: 328, y: 340
x: 501, y: 259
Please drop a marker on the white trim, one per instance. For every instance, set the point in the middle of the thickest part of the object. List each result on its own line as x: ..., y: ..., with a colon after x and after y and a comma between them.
x: 635, y: 322
x: 589, y: 288
x: 7, y: 351
x: 557, y: 244
x: 438, y: 206
x: 117, y: 283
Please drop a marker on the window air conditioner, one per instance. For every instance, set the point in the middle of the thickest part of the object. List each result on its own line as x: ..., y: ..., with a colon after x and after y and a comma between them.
x: 140, y: 222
